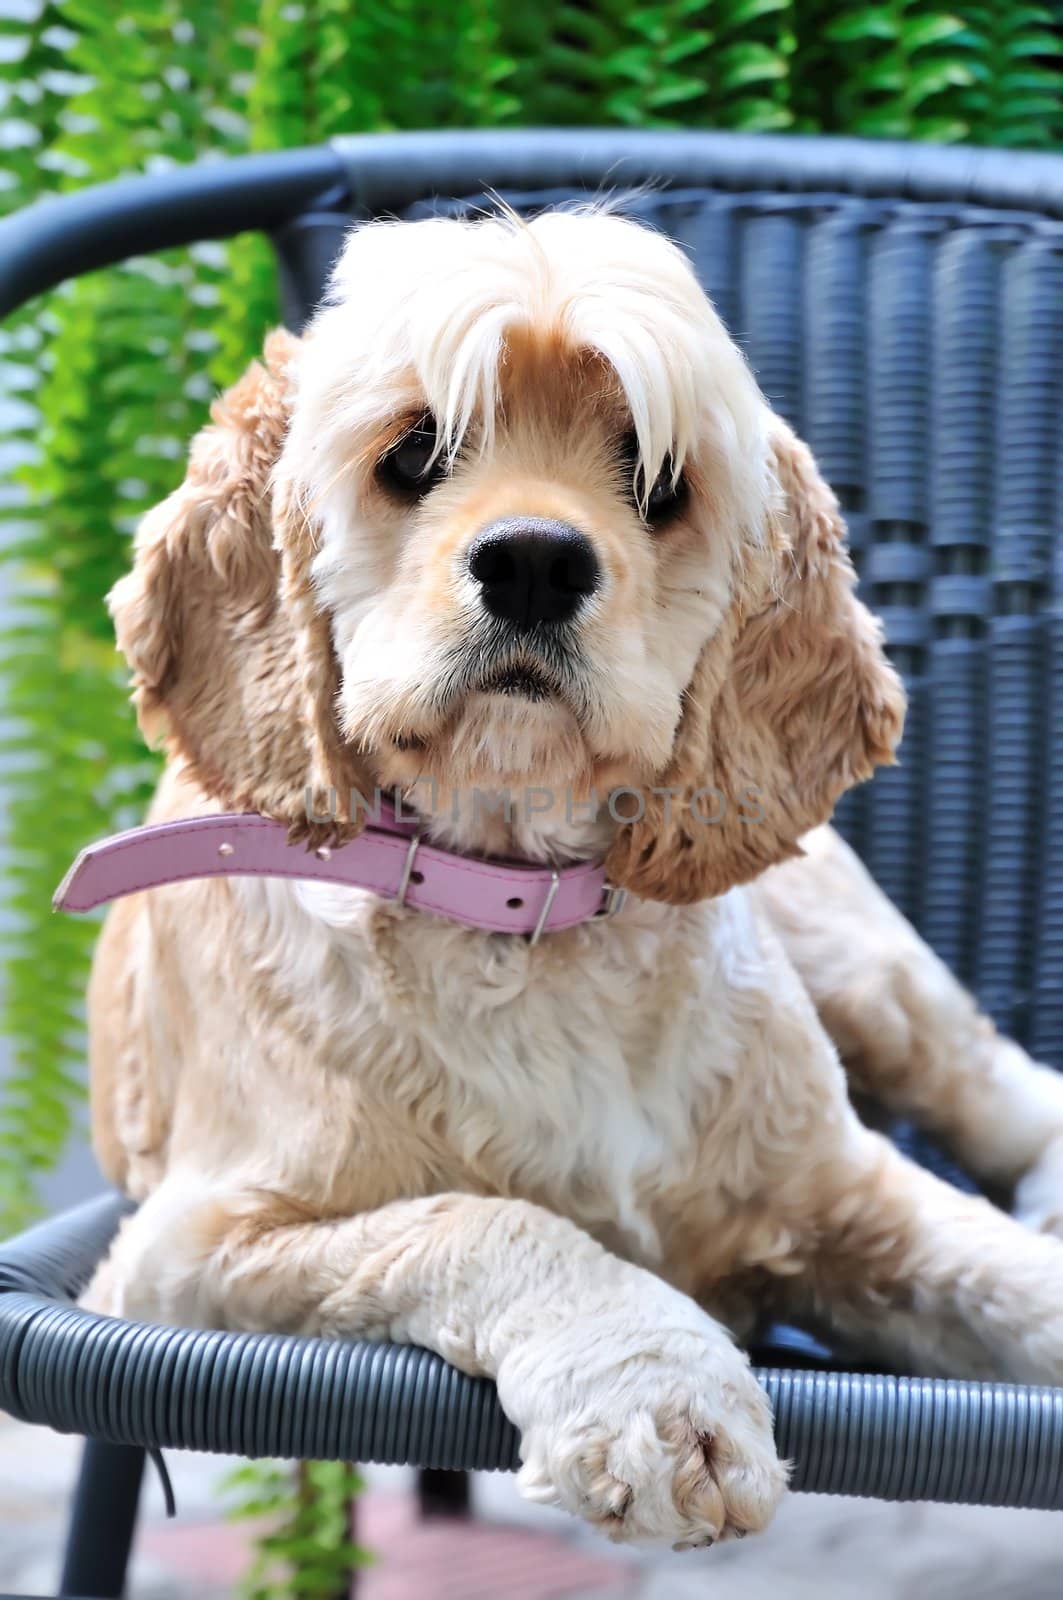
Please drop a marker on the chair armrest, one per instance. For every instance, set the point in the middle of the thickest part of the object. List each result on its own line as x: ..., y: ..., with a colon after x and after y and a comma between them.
x: 66, y: 235
x: 276, y: 1395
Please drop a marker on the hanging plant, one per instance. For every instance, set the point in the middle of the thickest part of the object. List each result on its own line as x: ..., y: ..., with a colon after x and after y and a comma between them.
x: 120, y: 383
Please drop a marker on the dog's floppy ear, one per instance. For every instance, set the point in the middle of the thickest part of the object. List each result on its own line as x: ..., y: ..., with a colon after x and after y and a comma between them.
x: 232, y: 664
x: 790, y: 704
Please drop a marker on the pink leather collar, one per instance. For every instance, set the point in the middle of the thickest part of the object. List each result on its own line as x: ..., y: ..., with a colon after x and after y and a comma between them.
x: 387, y: 858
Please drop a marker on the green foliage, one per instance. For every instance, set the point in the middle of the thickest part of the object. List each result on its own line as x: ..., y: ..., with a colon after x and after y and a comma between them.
x: 305, y: 1547
x: 109, y: 377
x: 1014, y: 57
x: 902, y: 59
x: 986, y: 73
x: 700, y: 62
x: 112, y: 376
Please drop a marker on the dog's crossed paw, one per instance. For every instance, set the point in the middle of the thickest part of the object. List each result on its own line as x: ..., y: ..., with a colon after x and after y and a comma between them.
x: 673, y: 1442
x: 656, y: 1478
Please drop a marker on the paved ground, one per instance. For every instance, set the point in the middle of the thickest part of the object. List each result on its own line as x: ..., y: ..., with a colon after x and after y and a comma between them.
x: 827, y: 1549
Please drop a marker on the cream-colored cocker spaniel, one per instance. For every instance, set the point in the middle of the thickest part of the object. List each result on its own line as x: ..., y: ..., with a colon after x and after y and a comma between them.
x: 514, y: 515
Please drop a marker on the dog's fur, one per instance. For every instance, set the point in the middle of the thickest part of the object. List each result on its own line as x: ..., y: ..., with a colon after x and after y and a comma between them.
x: 571, y: 1166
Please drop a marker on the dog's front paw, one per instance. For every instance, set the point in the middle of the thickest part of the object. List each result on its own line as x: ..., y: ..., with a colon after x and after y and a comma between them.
x: 647, y: 1429
x: 1038, y: 1199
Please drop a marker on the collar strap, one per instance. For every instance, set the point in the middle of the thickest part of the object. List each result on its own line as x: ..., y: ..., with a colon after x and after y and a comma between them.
x: 387, y: 858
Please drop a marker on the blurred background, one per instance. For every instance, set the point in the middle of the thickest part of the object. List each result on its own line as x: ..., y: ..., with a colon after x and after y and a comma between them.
x: 103, y: 382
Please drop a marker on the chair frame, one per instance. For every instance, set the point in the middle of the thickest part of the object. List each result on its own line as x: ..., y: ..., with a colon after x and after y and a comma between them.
x: 128, y: 1387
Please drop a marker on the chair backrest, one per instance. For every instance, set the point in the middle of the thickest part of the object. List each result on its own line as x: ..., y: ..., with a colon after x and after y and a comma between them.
x: 903, y: 307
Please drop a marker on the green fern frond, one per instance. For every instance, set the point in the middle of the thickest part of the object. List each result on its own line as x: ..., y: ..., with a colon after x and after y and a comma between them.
x: 1015, y: 94
x: 304, y: 1544
x: 121, y: 363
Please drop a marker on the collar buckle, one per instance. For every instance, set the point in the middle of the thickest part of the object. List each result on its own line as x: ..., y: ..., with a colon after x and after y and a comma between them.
x: 612, y: 901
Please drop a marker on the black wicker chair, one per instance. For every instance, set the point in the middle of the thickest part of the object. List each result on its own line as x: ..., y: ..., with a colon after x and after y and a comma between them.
x: 903, y: 307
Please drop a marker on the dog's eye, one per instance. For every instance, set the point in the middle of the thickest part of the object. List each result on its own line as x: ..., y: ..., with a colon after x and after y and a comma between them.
x: 667, y: 496
x: 412, y: 466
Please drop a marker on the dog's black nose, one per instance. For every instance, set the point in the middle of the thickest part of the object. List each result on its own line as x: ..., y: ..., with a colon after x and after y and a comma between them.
x: 533, y: 570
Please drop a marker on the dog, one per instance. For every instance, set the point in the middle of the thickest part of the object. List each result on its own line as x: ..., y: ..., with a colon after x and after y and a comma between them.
x: 583, y: 1166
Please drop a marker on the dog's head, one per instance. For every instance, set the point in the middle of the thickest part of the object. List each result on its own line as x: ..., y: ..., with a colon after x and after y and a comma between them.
x: 515, y: 514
